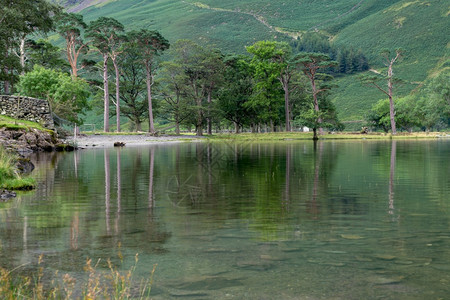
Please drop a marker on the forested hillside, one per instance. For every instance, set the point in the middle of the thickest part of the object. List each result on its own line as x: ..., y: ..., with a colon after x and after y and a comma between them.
x: 419, y: 27
x: 252, y: 65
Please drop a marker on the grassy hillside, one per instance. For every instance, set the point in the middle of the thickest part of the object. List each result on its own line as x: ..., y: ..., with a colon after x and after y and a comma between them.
x: 420, y: 27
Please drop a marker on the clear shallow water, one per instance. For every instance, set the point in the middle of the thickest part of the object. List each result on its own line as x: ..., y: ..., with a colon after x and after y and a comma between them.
x: 341, y: 220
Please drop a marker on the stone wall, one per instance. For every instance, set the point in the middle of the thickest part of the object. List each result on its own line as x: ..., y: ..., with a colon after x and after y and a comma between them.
x: 26, y: 108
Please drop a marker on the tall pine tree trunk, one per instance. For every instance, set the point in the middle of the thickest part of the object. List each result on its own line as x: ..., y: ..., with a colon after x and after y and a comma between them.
x: 316, y: 105
x: 286, y: 108
x: 209, y: 121
x: 287, y: 113
x: 391, y: 100
x: 22, y: 55
x: 106, y: 94
x: 116, y: 69
x: 151, y: 126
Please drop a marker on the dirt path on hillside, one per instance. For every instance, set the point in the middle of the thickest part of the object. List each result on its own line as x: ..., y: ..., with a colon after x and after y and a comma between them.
x: 262, y: 20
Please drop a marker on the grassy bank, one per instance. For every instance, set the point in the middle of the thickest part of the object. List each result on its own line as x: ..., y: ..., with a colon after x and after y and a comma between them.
x: 289, y: 136
x: 14, y: 124
x: 9, y: 177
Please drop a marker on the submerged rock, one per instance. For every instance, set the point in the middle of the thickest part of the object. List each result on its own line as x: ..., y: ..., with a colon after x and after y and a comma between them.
x: 351, y: 236
x: 187, y: 294
x: 24, y: 165
x: 362, y: 259
x: 258, y: 265
x: 384, y: 280
x: 5, y: 195
x: 64, y: 147
x: 271, y: 258
x: 385, y: 256
x: 326, y: 263
x: 403, y: 262
x: 335, y: 251
x: 204, y: 283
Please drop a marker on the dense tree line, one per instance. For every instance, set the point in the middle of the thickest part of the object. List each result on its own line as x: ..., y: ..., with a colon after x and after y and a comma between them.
x: 18, y: 19
x: 348, y: 60
x: 200, y: 87
x: 275, y: 87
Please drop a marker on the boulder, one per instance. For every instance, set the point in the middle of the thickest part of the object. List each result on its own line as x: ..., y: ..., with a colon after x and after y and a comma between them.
x: 119, y: 144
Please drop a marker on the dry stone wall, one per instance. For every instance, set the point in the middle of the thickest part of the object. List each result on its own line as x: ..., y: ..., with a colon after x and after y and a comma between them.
x: 26, y: 108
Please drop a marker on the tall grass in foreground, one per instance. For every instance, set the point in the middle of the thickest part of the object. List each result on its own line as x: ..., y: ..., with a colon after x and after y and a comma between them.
x: 9, y: 176
x: 7, y: 165
x: 100, y: 284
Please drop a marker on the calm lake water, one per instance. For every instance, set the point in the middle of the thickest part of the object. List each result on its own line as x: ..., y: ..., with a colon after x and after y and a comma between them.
x: 287, y: 220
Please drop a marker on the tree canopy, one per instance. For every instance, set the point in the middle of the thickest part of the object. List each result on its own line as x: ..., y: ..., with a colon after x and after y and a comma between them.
x: 67, y: 95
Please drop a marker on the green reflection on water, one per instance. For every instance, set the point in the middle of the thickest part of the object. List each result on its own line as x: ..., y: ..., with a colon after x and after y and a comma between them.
x: 348, y: 220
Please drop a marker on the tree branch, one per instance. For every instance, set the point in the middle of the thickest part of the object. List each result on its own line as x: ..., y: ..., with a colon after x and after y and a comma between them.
x: 378, y: 87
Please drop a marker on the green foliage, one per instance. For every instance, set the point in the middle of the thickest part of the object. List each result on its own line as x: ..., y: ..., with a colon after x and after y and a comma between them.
x: 311, y: 62
x: 348, y: 59
x: 429, y: 108
x: 433, y: 104
x: 406, y: 117
x: 236, y: 91
x: 175, y: 107
x: 17, y: 20
x: 148, y: 45
x: 67, y: 95
x: 132, y: 86
x: 378, y: 116
x: 69, y: 26
x: 151, y: 43
x: 105, y: 34
x: 268, y: 62
x: 194, y: 75
x: 7, y: 165
x: 368, y: 26
x: 26, y: 183
x: 309, y: 117
x: 44, y: 53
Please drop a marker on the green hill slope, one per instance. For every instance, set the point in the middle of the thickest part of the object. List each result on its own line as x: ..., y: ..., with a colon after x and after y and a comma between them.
x: 420, y: 27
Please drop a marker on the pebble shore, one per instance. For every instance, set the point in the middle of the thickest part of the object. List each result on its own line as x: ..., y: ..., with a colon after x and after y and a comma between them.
x: 103, y: 141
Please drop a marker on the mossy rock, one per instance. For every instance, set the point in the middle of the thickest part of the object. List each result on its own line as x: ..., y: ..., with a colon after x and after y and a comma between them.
x: 64, y: 147
x: 24, y: 165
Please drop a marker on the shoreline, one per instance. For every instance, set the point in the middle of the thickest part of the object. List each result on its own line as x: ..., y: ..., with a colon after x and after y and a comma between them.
x: 106, y: 141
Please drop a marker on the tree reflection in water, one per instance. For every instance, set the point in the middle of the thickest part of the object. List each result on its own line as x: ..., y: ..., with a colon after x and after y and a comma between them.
x: 391, y: 210
x: 107, y: 190
x: 119, y: 189
x: 151, y: 159
x: 313, y: 206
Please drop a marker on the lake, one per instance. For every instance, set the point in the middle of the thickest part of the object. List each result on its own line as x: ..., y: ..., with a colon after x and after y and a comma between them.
x: 286, y: 220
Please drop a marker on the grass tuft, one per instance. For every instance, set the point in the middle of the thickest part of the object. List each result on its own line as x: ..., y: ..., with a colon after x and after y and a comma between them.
x: 100, y: 284
x: 9, y: 177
